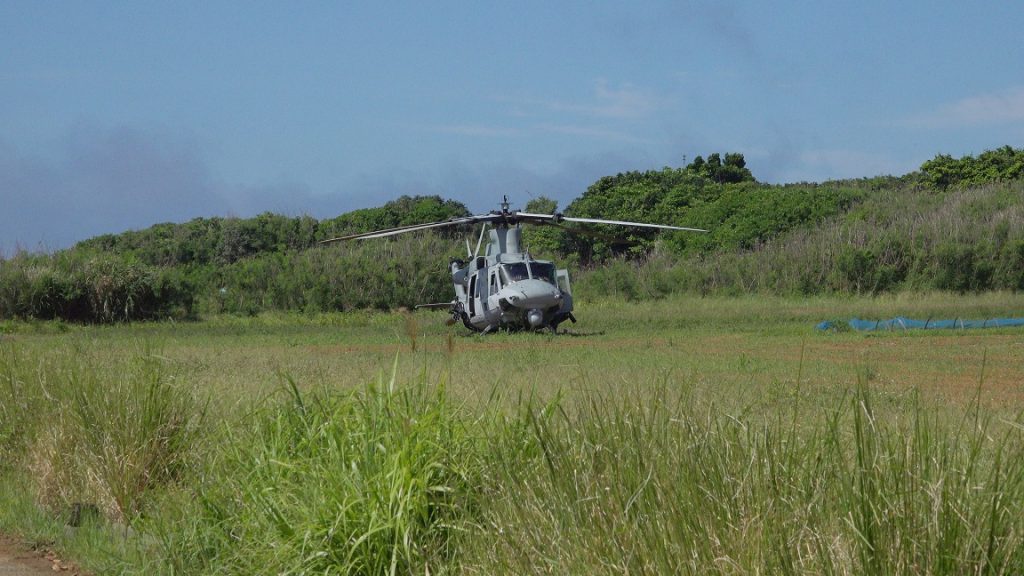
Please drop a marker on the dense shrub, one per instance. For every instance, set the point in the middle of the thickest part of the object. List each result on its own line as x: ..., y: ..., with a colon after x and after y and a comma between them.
x: 1009, y: 273
x: 999, y: 165
x: 403, y: 271
x: 963, y: 267
x: 738, y: 216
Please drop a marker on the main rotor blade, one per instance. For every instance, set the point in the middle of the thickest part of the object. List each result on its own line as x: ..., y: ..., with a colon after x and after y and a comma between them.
x: 404, y: 229
x: 501, y: 218
x: 635, y: 224
x: 594, y: 234
x: 544, y: 218
x: 537, y: 217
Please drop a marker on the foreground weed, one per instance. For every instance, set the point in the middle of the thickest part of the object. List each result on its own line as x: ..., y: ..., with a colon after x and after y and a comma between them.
x: 652, y: 485
x: 21, y: 400
x: 371, y: 482
x: 95, y: 435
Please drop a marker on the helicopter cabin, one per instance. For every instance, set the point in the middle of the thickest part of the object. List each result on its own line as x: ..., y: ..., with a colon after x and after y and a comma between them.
x: 513, y: 290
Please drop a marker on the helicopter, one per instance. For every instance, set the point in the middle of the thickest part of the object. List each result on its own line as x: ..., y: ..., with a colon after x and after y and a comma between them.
x: 505, y: 288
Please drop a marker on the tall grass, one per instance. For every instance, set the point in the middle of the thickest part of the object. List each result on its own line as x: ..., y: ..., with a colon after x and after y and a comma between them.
x: 19, y: 400
x: 379, y: 481
x: 655, y: 484
x: 95, y: 435
x: 648, y: 477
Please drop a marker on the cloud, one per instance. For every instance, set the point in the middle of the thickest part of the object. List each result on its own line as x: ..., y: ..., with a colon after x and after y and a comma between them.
x: 109, y: 180
x: 821, y: 165
x: 605, y: 102
x: 1005, y: 106
x: 623, y: 102
x: 530, y: 130
x: 591, y: 132
x: 100, y: 181
x: 590, y: 118
x: 479, y: 130
x: 123, y: 173
x: 722, y: 25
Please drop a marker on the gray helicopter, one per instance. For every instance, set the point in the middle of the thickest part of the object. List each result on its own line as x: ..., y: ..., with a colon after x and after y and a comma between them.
x: 505, y: 287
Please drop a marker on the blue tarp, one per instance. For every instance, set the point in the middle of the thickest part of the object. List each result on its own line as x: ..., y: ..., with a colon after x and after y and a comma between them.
x: 901, y: 323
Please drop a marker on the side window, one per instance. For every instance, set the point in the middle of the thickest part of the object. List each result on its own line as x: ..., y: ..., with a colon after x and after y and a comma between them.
x: 563, y: 281
x: 472, y: 296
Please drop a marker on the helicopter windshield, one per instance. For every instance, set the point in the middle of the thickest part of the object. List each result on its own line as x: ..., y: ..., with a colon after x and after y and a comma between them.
x: 522, y: 271
x: 515, y: 272
x: 543, y: 271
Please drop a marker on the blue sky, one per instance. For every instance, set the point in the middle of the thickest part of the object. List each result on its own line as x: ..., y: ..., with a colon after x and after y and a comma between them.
x: 119, y: 115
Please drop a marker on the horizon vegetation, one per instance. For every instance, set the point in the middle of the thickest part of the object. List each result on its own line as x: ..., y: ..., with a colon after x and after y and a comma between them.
x: 956, y: 224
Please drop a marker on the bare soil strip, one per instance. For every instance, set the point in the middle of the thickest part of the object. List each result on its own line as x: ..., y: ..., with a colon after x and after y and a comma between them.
x: 17, y: 560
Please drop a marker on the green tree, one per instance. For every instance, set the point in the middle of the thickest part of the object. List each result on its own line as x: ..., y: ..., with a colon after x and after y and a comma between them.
x: 544, y: 241
x: 730, y: 171
x: 403, y: 211
x: 1002, y: 164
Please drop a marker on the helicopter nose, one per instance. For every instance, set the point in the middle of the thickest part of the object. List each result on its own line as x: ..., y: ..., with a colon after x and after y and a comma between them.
x: 532, y: 294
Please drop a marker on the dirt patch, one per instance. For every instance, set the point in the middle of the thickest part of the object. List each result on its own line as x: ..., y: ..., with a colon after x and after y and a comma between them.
x: 18, y: 559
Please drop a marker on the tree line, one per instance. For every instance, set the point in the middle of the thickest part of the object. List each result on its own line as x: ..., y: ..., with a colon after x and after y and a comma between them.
x: 955, y: 224
x: 240, y: 265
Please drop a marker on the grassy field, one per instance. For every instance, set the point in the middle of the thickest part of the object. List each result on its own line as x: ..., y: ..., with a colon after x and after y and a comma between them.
x: 683, y: 435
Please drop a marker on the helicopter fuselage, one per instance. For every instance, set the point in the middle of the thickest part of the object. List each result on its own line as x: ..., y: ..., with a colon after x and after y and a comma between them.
x: 510, y: 291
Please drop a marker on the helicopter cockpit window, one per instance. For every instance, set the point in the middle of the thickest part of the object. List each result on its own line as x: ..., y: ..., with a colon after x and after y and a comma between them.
x: 543, y: 271
x: 515, y: 272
